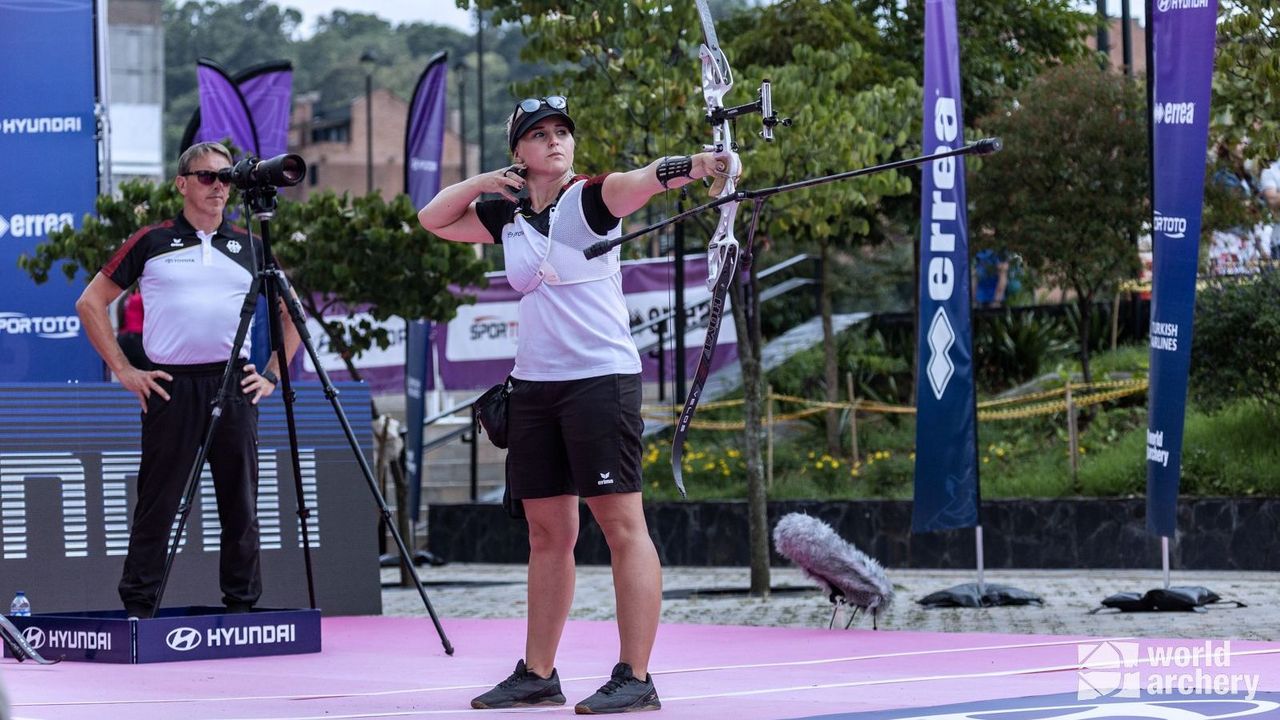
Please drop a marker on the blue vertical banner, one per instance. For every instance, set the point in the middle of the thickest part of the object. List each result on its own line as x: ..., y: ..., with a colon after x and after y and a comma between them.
x: 50, y: 181
x: 946, y: 477
x: 1182, y: 37
x: 423, y: 154
x: 417, y: 358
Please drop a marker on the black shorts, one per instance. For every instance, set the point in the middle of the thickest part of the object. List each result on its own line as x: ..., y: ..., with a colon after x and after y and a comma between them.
x: 574, y: 437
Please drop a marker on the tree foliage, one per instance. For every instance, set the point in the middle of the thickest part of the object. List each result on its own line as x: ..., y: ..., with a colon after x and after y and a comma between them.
x: 1246, y: 83
x: 1004, y: 44
x: 1070, y: 189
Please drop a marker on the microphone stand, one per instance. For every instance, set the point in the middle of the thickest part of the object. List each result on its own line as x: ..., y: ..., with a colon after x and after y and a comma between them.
x: 985, y: 146
x: 260, y: 202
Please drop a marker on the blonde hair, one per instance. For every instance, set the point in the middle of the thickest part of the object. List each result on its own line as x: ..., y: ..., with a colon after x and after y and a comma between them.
x: 200, y: 150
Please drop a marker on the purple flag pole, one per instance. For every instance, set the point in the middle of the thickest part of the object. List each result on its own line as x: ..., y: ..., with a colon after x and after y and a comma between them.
x: 1183, y: 34
x: 423, y: 151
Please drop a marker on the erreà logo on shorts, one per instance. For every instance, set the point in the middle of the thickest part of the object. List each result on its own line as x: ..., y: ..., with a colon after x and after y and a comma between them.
x: 35, y: 224
x: 1167, y: 5
x: 50, y: 327
x: 1173, y: 113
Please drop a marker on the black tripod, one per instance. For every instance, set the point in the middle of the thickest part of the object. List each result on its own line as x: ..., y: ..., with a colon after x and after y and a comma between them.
x: 260, y: 202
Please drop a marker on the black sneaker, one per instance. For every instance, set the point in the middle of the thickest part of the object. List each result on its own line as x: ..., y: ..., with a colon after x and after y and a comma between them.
x: 623, y: 693
x: 522, y: 689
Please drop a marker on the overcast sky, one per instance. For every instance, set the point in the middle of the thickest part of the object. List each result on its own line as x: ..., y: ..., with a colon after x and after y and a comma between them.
x: 441, y: 12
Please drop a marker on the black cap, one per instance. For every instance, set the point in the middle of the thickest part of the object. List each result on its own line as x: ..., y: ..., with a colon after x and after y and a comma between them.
x: 528, y: 120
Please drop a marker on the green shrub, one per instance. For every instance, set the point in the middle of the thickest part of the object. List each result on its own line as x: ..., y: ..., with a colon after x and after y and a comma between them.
x: 1236, y: 347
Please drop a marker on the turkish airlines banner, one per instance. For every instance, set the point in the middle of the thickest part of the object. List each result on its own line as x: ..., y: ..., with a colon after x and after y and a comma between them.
x: 1182, y: 36
x: 50, y: 181
x: 946, y: 478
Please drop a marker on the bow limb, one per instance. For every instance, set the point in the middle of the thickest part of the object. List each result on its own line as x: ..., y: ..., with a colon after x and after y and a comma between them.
x: 722, y: 251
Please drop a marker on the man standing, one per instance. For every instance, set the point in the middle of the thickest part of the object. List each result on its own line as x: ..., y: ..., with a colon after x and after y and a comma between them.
x: 193, y: 272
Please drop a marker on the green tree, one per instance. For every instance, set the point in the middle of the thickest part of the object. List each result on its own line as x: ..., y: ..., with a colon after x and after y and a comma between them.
x: 1070, y: 189
x: 1246, y: 103
x: 1004, y: 44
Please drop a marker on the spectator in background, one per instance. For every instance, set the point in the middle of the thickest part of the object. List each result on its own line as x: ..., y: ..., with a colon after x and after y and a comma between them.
x: 130, y: 333
x: 1269, y: 187
x: 995, y: 280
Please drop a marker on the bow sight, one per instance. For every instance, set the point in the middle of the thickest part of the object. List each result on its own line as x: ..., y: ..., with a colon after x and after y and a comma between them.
x: 762, y: 105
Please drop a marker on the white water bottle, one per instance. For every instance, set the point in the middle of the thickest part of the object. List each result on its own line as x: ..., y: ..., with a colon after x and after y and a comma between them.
x: 21, y: 606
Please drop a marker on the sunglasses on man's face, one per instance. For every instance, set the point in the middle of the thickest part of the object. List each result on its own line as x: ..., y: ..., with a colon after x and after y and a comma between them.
x: 555, y: 102
x: 205, y: 177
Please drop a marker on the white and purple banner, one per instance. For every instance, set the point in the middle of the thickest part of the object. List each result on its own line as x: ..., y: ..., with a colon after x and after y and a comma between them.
x: 1182, y: 40
x: 476, y: 349
x: 946, y: 473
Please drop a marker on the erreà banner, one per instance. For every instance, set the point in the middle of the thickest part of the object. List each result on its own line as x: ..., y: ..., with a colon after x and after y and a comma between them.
x: 47, y: 140
x: 1182, y: 35
x: 946, y: 482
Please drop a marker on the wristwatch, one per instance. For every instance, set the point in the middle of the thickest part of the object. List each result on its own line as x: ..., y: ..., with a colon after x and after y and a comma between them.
x: 270, y: 377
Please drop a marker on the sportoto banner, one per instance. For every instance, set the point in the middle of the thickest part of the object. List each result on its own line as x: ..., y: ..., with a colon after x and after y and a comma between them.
x: 50, y: 181
x: 946, y: 480
x: 1182, y: 36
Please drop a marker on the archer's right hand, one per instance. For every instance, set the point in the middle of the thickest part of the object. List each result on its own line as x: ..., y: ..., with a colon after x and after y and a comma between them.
x: 144, y: 382
x: 506, y: 182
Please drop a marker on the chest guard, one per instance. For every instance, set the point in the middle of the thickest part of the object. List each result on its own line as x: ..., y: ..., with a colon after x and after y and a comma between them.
x: 532, y: 258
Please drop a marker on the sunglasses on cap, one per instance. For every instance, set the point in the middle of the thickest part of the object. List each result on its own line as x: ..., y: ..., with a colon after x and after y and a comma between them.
x: 205, y: 177
x: 555, y: 102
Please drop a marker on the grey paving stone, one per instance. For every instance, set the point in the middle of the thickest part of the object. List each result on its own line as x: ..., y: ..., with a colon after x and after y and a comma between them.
x: 498, y: 591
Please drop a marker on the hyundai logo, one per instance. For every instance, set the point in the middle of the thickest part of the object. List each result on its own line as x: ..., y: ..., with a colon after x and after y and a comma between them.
x: 34, y: 637
x: 183, y: 639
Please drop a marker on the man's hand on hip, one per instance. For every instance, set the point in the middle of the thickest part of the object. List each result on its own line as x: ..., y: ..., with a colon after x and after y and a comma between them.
x: 144, y: 382
x: 257, y: 385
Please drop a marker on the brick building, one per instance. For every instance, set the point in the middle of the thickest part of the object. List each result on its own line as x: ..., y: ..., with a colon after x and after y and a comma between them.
x: 333, y: 142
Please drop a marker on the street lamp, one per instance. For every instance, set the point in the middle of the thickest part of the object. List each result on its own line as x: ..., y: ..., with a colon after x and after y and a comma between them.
x: 370, y: 60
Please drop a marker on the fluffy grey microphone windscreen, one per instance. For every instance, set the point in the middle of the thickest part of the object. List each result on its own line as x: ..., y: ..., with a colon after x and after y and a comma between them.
x: 835, y: 564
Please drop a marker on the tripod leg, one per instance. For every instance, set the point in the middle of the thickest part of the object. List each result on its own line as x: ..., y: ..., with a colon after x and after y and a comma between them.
x: 197, y: 467
x: 330, y: 392
x: 275, y: 293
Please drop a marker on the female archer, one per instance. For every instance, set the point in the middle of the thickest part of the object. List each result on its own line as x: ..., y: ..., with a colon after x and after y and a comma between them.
x: 574, y: 421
